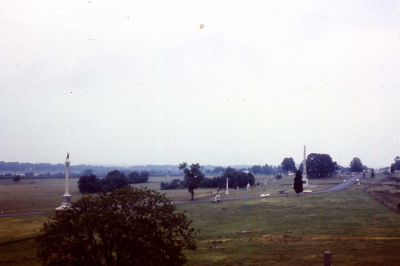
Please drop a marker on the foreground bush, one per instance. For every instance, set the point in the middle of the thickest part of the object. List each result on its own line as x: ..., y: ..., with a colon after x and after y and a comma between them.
x: 126, y: 227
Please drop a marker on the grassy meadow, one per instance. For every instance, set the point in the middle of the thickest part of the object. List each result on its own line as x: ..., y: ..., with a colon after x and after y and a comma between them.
x: 271, y: 231
x: 44, y: 195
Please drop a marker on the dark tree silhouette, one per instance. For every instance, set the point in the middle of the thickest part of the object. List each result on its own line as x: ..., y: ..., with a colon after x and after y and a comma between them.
x: 288, y: 164
x: 135, y: 178
x: 356, y: 165
x: 130, y: 226
x: 192, y: 176
x: 298, y: 183
x: 392, y: 168
x: 114, y: 180
x: 396, y: 163
x: 320, y: 165
x: 89, y: 184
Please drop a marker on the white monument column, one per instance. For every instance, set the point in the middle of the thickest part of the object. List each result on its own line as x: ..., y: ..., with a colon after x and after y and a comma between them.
x: 227, y: 186
x: 66, y: 197
x: 305, y: 179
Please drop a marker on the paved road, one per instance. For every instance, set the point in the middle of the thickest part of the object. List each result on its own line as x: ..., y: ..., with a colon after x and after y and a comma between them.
x: 337, y: 188
x: 342, y: 186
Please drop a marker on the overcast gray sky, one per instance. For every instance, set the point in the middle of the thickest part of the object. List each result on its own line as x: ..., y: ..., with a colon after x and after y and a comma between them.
x: 143, y: 82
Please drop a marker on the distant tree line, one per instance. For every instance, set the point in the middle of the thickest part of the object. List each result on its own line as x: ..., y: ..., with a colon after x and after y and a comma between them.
x: 264, y: 169
x: 23, y: 167
x: 30, y: 175
x: 174, y: 184
x: 237, y: 178
x: 90, y: 183
x: 47, y: 170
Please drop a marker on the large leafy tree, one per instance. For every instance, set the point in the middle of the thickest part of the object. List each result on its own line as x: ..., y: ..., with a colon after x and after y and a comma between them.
x: 320, y: 165
x: 288, y: 165
x: 130, y: 226
x: 192, y: 176
x: 356, y: 165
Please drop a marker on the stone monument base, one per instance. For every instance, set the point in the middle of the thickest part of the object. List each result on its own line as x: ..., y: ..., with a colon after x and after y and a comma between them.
x: 66, y: 202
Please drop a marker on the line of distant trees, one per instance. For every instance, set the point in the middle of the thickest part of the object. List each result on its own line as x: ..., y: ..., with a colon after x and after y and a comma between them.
x: 90, y: 183
x: 237, y: 178
x: 47, y: 170
x: 31, y: 175
x: 318, y: 166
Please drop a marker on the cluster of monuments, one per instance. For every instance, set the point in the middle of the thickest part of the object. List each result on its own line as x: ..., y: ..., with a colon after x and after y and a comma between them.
x: 305, y: 180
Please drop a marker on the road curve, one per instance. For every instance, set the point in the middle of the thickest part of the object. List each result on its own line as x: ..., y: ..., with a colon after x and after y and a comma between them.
x: 337, y: 188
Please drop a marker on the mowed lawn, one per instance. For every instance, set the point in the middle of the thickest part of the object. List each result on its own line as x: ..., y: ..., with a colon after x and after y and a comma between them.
x: 297, y: 231
x: 273, y: 231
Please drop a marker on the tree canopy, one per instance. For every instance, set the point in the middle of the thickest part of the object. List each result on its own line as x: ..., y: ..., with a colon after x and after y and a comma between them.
x: 396, y: 164
x: 263, y: 169
x: 237, y: 178
x: 356, y: 165
x: 113, y: 180
x: 288, y: 165
x: 130, y: 226
x: 89, y: 184
x: 135, y: 177
x: 192, y: 176
x: 320, y: 165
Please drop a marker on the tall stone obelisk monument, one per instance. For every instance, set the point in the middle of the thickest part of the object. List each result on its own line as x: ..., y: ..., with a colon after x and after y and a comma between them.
x: 305, y: 179
x: 66, y: 197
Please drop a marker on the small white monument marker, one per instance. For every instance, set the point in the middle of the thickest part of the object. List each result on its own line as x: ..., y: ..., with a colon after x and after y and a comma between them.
x: 305, y: 179
x: 227, y: 186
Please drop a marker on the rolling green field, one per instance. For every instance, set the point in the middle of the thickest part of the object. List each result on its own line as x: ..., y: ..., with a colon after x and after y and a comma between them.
x: 45, y: 194
x: 272, y: 231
